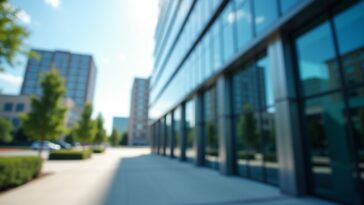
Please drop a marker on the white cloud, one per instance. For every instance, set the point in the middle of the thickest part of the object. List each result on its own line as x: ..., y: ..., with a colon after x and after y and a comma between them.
x: 121, y: 57
x: 105, y: 60
x: 259, y: 19
x: 53, y: 3
x: 11, y: 78
x: 231, y: 17
x: 23, y: 16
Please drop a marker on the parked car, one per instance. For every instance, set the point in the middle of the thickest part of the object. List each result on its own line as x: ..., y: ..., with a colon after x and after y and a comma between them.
x: 63, y: 144
x: 47, y: 145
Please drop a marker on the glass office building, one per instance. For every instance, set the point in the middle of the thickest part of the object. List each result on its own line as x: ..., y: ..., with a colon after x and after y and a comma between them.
x: 270, y: 90
x: 78, y: 71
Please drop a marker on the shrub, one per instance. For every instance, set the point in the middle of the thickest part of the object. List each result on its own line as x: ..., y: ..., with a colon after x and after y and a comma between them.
x: 98, y: 149
x: 17, y: 170
x: 70, y: 154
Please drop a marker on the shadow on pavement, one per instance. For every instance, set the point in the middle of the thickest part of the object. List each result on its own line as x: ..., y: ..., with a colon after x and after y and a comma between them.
x: 122, y: 182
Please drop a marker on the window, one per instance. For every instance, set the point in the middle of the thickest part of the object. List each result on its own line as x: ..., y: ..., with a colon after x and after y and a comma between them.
x: 253, y: 121
x: 357, y: 113
x: 265, y: 14
x: 20, y: 107
x: 351, y: 44
x: 209, y: 53
x: 244, y: 19
x: 8, y: 107
x: 80, y: 93
x: 163, y: 136
x: 190, y: 130
x: 79, y: 101
x: 71, y: 85
x: 83, y: 72
x: 286, y: 5
x: 210, y: 128
x: 82, y: 79
x: 332, y: 123
x: 228, y: 19
x: 266, y: 88
x: 177, y: 125
x: 73, y: 72
x: 324, y: 120
x: 28, y: 90
x: 317, y: 63
x: 168, y: 136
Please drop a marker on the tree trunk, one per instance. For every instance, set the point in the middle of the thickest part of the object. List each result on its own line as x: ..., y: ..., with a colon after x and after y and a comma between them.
x: 41, y: 147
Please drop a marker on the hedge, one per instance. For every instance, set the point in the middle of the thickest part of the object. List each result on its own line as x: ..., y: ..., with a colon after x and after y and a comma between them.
x: 98, y: 149
x: 70, y: 154
x: 17, y: 170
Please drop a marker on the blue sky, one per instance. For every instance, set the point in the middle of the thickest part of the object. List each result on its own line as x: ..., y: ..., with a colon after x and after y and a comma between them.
x: 118, y: 33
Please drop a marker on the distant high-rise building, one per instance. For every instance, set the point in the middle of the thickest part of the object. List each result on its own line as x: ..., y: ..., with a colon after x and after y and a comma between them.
x: 120, y: 124
x: 138, y: 119
x: 79, y: 72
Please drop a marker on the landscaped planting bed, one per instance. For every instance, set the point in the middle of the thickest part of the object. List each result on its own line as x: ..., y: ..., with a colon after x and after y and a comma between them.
x: 98, y: 149
x: 70, y: 154
x: 17, y: 170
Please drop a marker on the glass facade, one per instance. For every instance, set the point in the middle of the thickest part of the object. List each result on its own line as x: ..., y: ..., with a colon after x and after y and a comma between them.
x: 331, y: 81
x: 168, y: 135
x: 268, y: 79
x: 190, y: 129
x: 244, y: 17
x: 266, y: 12
x: 177, y: 132
x: 189, y: 64
x: 210, y: 128
x: 254, y: 125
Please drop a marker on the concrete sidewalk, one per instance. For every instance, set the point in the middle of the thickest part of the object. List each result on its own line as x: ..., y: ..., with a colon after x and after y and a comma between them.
x: 131, y: 176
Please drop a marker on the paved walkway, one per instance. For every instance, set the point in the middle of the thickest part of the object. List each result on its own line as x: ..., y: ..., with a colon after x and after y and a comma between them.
x: 129, y: 176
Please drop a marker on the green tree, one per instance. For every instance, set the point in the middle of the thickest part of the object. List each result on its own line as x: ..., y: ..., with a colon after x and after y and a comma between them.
x: 70, y: 138
x: 100, y: 135
x: 46, y: 118
x: 85, y: 129
x: 247, y: 131
x: 212, y: 140
x: 5, y: 131
x: 12, y: 34
x: 124, y: 139
x: 114, y: 138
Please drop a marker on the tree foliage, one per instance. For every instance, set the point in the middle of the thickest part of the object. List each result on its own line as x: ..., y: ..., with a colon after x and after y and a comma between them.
x: 12, y: 34
x: 247, y: 130
x: 5, y: 131
x: 46, y: 118
x: 85, y: 129
x: 114, y: 138
x: 100, y: 135
x: 70, y: 138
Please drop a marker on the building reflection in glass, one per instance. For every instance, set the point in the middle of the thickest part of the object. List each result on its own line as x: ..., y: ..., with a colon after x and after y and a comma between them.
x: 177, y: 132
x: 190, y: 130
x: 210, y: 128
x: 254, y: 124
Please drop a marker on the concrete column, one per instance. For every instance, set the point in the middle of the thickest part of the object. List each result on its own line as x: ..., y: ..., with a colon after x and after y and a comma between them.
x: 224, y: 120
x: 172, y: 135
x: 183, y: 133
x: 288, y: 136
x: 199, y: 131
